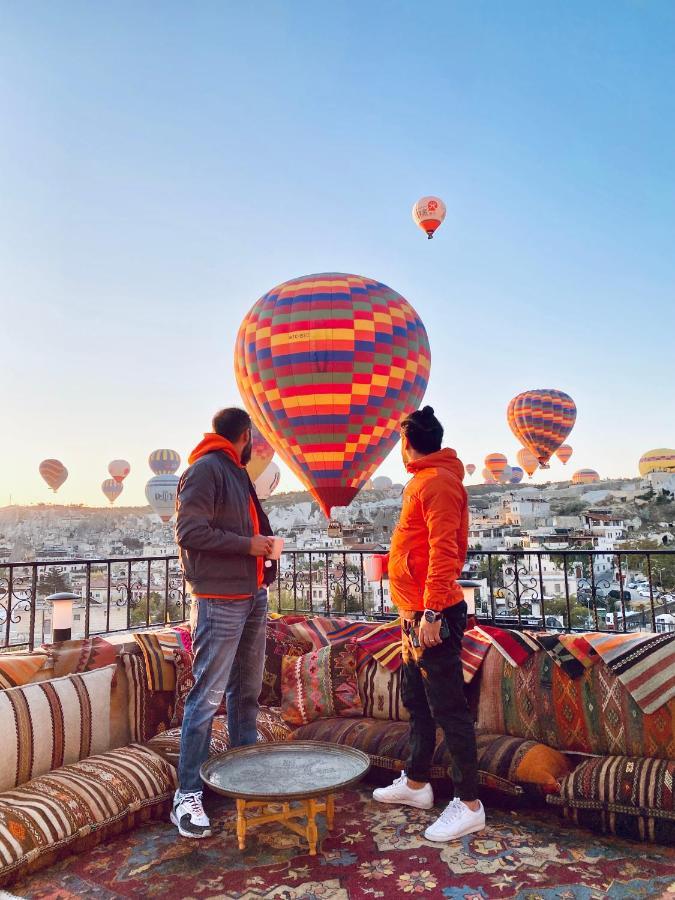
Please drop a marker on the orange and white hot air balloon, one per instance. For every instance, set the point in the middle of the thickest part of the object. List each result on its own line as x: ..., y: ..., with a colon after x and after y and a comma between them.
x: 495, y: 463
x: 564, y: 453
x: 585, y: 476
x: 261, y: 455
x: 428, y: 214
x: 119, y: 469
x: 527, y: 461
x: 54, y: 473
x: 112, y: 489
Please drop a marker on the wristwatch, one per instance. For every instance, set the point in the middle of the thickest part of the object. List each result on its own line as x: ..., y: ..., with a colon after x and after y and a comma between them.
x: 431, y: 616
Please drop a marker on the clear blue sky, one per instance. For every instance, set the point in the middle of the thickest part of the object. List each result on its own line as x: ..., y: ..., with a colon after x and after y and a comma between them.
x: 164, y: 164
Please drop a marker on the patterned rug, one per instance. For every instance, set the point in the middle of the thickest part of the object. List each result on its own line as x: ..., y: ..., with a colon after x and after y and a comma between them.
x: 374, y: 852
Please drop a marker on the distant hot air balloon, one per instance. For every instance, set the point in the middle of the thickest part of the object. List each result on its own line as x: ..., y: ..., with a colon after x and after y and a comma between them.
x: 660, y: 460
x: 119, y: 469
x: 541, y: 420
x: 382, y: 483
x: 470, y: 468
x: 54, y: 473
x: 505, y: 476
x: 112, y: 489
x: 495, y: 463
x: 585, y: 476
x: 516, y: 475
x: 487, y: 476
x: 261, y: 455
x: 328, y: 367
x: 161, y: 492
x: 267, y: 483
x: 428, y: 213
x: 528, y: 461
x: 564, y: 453
x: 164, y: 462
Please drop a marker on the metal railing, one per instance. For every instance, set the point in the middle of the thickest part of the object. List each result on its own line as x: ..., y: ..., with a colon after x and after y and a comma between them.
x: 582, y: 590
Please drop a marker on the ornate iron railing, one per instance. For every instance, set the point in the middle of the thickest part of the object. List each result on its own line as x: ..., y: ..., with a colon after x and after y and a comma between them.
x: 546, y: 589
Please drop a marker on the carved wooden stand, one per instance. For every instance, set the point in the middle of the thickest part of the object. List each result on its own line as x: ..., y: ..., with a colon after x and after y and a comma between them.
x: 286, y: 814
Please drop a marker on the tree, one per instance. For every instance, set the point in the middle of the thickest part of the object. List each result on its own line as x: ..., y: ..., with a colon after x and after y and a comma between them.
x: 53, y: 582
x: 132, y: 544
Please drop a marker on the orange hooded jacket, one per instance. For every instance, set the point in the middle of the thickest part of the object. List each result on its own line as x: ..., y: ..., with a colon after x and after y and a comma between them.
x: 429, y: 544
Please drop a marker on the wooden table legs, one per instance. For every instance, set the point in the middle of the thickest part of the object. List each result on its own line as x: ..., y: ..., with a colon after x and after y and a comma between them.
x: 286, y: 814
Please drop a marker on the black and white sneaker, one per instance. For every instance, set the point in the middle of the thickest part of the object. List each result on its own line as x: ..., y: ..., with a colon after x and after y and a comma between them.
x: 188, y: 815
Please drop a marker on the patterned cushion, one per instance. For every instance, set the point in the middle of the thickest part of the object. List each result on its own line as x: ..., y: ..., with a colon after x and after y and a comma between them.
x: 81, y: 655
x: 622, y: 795
x: 278, y: 644
x: 52, y: 723
x: 387, y: 745
x: 80, y: 805
x: 158, y: 648
x: 19, y: 668
x: 184, y: 682
x: 313, y: 630
x: 320, y: 684
x: 271, y: 727
x: 149, y: 711
x: 380, y: 692
x: 527, y: 763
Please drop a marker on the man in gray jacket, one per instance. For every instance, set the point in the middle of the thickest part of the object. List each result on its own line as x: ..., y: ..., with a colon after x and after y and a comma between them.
x: 223, y: 535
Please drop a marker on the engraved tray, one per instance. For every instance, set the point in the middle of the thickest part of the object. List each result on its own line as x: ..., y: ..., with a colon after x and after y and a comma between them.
x: 284, y: 770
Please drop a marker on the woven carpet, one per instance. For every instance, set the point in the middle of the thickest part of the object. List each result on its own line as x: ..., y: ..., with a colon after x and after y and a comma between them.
x: 374, y: 851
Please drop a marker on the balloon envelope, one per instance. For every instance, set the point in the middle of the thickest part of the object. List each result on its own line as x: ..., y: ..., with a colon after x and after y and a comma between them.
x: 267, y: 483
x: 429, y: 213
x: 516, y: 475
x: 328, y: 366
x: 660, y: 460
x: 261, y: 455
x: 54, y: 473
x: 495, y: 463
x: 528, y: 461
x: 585, y: 476
x: 541, y: 420
x: 487, y: 476
x: 161, y: 492
x: 382, y: 483
x: 470, y: 468
x: 112, y: 489
x: 505, y: 476
x: 564, y: 453
x: 119, y: 469
x: 164, y: 462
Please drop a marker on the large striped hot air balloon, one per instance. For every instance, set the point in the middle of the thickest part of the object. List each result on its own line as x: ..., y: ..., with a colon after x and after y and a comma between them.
x: 585, y: 476
x: 428, y: 214
x: 160, y: 492
x: 516, y: 475
x: 564, y: 453
x: 261, y: 455
x: 470, y: 468
x: 328, y: 366
x: 119, y: 469
x: 164, y: 462
x: 660, y: 460
x: 541, y: 420
x: 495, y: 463
x: 54, y: 473
x: 528, y: 461
x: 112, y: 489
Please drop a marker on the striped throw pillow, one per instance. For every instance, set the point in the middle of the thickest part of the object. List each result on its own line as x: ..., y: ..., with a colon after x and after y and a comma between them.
x: 53, y: 723
x: 380, y: 692
x: 18, y: 668
x: 158, y: 648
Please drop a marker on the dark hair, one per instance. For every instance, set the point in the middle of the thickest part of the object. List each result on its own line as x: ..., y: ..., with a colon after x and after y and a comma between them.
x: 231, y: 423
x: 423, y: 430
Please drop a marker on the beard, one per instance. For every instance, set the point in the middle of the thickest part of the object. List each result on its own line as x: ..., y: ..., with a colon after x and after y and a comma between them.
x: 247, y: 452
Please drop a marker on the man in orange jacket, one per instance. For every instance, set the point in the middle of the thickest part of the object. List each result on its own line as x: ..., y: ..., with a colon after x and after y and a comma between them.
x: 427, y: 554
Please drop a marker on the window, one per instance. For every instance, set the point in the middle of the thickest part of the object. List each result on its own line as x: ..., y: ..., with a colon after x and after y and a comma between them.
x: 76, y: 617
x: 557, y: 588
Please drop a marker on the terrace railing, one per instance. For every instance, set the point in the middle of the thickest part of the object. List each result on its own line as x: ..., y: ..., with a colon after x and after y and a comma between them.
x: 570, y: 590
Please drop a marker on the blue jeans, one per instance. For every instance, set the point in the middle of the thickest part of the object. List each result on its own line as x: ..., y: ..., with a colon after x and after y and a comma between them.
x: 228, y: 642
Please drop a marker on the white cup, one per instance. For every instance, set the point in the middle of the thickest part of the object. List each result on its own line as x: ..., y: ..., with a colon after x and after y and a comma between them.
x: 373, y: 567
x: 277, y: 547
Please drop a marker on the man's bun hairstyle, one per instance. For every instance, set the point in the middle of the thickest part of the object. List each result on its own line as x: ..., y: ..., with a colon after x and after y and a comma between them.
x: 423, y: 430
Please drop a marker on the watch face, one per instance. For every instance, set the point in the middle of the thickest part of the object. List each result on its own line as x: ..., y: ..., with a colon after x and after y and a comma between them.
x: 429, y: 615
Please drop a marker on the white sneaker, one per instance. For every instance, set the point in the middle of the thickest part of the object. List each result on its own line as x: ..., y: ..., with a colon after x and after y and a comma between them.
x: 188, y: 815
x: 455, y: 821
x: 400, y: 792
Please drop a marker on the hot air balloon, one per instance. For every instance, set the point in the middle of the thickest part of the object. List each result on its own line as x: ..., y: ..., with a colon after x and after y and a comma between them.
x: 164, y: 462
x: 54, y: 473
x: 585, y: 476
x: 328, y: 366
x: 382, y: 483
x: 428, y: 213
x: 528, y: 461
x: 261, y: 455
x: 495, y: 463
x: 470, y: 468
x: 541, y: 420
x: 564, y: 453
x: 516, y: 475
x: 661, y: 460
x: 119, y: 469
x: 112, y: 489
x: 487, y: 476
x: 267, y: 483
x: 505, y: 476
x: 161, y: 492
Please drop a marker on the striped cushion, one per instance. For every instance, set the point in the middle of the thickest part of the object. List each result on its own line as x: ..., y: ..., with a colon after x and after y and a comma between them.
x: 92, y: 798
x: 52, y: 723
x: 380, y: 692
x: 158, y: 648
x: 149, y: 711
x: 19, y: 668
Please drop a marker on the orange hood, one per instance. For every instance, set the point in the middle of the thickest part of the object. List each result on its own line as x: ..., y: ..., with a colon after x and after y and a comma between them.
x: 211, y: 443
x: 442, y: 459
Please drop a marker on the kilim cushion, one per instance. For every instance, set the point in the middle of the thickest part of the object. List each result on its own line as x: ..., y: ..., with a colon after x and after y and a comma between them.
x: 52, y: 723
x: 277, y: 645
x: 380, y: 692
x: 313, y: 630
x: 78, y: 806
x: 622, y: 795
x: 81, y: 655
x: 523, y: 762
x: 149, y: 711
x: 19, y: 668
x: 157, y: 648
x: 270, y: 726
x: 320, y: 684
x: 184, y: 682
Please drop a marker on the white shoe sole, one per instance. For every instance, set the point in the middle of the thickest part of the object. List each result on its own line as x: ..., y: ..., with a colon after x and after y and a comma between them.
x: 404, y: 803
x: 454, y: 837
x: 189, y: 834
